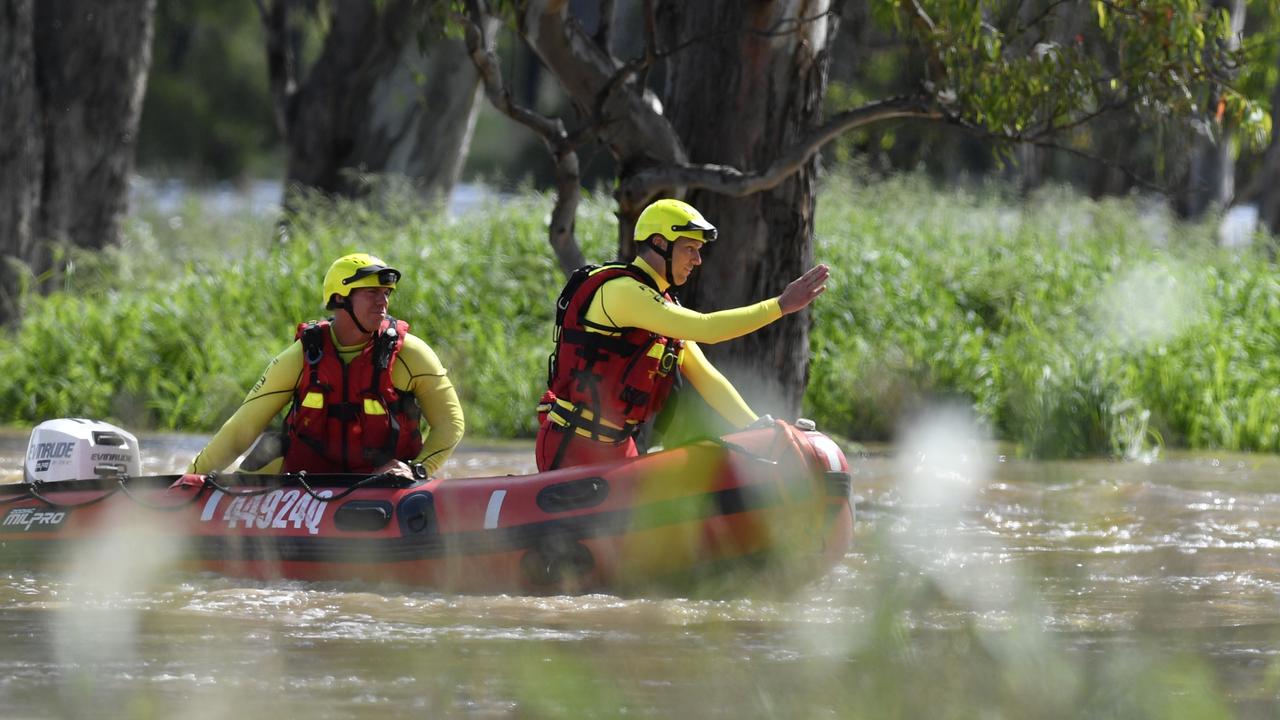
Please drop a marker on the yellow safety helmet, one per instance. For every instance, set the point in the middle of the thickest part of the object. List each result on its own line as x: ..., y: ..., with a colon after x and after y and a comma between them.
x: 356, y: 271
x: 673, y: 219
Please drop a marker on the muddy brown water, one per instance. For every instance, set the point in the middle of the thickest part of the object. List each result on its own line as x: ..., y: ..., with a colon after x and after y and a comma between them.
x: 977, y: 559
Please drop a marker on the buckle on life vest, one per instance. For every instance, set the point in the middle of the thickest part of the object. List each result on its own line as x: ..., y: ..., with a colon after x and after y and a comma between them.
x: 574, y: 420
x: 670, y: 356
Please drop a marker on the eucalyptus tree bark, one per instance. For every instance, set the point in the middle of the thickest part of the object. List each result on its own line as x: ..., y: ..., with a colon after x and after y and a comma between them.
x: 374, y: 101
x: 20, y: 153
x: 75, y: 74
x: 92, y: 61
x: 747, y: 90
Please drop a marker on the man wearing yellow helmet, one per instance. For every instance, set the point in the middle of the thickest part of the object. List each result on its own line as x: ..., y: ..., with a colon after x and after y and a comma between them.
x: 620, y: 338
x: 360, y: 385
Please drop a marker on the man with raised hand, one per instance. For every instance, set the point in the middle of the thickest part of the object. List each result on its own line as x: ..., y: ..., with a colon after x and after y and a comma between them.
x: 620, y: 337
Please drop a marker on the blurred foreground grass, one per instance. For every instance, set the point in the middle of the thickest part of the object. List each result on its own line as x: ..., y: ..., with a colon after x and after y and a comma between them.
x: 1072, y: 327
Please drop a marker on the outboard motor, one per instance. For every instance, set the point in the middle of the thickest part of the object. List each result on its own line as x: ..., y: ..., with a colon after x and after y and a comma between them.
x: 79, y: 449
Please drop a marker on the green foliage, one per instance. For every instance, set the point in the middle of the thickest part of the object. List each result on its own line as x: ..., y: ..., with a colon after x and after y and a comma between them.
x: 1165, y: 60
x: 1071, y: 326
x: 170, y: 331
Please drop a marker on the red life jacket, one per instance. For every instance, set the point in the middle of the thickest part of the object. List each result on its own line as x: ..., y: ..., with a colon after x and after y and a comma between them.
x: 348, y: 417
x: 616, y: 378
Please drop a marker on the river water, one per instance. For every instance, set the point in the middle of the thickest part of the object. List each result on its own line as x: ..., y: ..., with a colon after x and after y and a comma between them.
x: 978, y: 586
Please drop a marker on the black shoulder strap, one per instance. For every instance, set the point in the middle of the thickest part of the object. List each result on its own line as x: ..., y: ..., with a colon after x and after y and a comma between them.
x: 312, y: 339
x: 578, y: 277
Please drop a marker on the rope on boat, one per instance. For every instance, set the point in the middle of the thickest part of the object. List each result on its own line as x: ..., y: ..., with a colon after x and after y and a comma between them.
x: 15, y: 498
x: 122, y: 486
x: 211, y: 480
x: 152, y: 506
x: 33, y: 491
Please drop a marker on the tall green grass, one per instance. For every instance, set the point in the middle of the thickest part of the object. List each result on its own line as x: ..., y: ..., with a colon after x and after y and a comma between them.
x: 171, y: 330
x: 1071, y: 326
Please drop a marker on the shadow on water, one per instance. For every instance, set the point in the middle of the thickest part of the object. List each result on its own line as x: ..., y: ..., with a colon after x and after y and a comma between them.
x: 978, y: 586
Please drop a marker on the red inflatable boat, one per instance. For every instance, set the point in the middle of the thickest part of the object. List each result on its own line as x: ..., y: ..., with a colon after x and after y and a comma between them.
x: 763, y: 510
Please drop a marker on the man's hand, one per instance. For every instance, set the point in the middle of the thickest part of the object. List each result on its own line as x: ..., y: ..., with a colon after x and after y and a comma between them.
x: 396, y: 468
x: 804, y: 289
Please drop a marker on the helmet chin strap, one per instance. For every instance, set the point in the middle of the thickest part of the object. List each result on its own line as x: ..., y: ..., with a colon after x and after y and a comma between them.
x: 666, y: 257
x: 346, y: 305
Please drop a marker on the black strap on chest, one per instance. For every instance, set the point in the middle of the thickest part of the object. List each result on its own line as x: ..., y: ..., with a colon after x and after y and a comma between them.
x: 384, y: 346
x: 312, y: 339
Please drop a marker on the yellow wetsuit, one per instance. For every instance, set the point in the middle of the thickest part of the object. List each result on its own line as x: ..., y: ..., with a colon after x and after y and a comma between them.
x: 626, y: 302
x: 417, y: 369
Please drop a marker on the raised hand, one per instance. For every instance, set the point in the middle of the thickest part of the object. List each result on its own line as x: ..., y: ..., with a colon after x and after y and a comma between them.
x: 804, y: 289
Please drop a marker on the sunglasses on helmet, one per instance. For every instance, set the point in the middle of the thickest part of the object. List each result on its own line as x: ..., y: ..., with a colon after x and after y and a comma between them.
x: 708, y: 233
x: 386, y: 275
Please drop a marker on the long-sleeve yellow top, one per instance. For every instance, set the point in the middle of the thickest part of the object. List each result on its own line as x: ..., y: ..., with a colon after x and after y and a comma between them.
x: 417, y: 369
x: 626, y: 302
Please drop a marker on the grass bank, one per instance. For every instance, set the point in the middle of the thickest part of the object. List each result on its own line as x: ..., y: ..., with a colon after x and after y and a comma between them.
x: 1070, y: 326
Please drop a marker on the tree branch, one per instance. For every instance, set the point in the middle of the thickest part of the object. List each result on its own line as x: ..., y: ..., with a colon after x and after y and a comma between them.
x: 1105, y: 162
x: 560, y: 235
x: 731, y: 181
x: 633, y: 129
x: 650, y: 43
x: 1042, y: 140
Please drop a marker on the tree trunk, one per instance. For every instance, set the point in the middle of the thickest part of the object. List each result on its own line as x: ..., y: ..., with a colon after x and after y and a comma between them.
x: 747, y: 89
x: 75, y: 77
x: 1268, y: 182
x: 1113, y: 138
x: 1029, y: 169
x: 1210, y: 178
x: 375, y: 103
x: 20, y: 153
x: 92, y: 61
